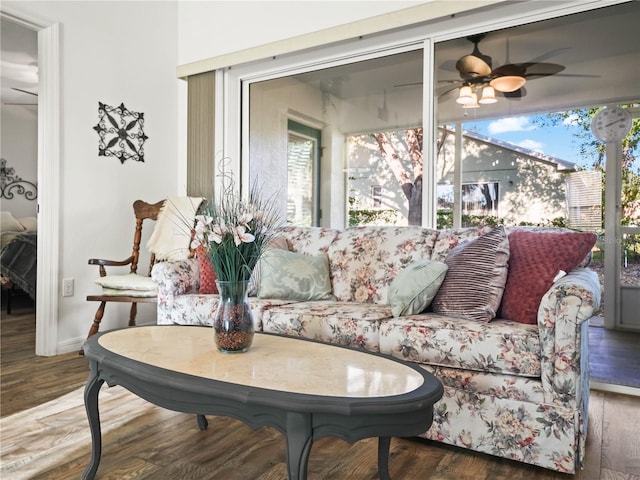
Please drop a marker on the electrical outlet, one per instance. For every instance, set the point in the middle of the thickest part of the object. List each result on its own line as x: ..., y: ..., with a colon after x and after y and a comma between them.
x: 67, y: 287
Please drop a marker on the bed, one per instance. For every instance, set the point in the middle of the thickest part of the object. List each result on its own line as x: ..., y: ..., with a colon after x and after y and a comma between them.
x: 18, y: 254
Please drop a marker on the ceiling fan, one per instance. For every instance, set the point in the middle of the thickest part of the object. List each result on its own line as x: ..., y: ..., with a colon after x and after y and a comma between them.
x: 23, y: 91
x: 476, y: 72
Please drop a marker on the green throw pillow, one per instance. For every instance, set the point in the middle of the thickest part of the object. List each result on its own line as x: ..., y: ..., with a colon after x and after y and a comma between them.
x: 294, y: 276
x: 414, y: 287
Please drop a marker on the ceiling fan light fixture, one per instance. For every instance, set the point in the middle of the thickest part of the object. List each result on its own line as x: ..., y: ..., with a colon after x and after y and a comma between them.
x: 488, y: 95
x: 473, y: 103
x: 465, y: 96
x: 508, y: 83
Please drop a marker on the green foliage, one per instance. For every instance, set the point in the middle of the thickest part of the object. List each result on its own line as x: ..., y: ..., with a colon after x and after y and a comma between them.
x: 445, y: 220
x: 558, y: 222
x: 372, y: 217
x: 236, y: 231
x: 593, y: 150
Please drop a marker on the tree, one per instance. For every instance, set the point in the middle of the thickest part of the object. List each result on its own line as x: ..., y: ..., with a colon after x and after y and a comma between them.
x: 592, y: 149
x: 410, y: 181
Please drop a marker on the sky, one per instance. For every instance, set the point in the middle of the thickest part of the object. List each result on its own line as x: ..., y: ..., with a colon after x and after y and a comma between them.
x: 560, y: 141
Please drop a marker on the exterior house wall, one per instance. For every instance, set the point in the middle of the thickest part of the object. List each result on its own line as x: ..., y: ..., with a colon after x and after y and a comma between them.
x: 531, y: 189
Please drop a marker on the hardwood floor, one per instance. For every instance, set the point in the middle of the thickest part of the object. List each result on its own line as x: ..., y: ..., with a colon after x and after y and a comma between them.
x: 614, y: 357
x: 143, y: 441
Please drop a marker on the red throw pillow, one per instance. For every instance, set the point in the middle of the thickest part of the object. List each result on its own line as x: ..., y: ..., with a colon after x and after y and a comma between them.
x: 536, y: 259
x: 207, y: 274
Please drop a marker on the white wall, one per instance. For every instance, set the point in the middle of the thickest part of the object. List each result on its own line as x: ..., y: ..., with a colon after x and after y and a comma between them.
x: 212, y: 28
x: 110, y: 52
x: 115, y: 52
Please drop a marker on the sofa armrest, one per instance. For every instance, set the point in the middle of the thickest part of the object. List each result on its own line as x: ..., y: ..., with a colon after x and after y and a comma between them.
x: 177, y: 277
x: 562, y: 321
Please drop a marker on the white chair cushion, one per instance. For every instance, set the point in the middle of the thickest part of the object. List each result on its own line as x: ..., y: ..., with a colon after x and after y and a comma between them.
x: 130, y: 281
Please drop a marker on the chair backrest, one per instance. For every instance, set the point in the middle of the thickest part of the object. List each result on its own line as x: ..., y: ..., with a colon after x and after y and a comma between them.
x: 143, y: 211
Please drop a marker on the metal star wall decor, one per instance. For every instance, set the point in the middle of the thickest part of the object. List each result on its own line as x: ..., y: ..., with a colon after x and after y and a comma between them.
x: 121, y: 134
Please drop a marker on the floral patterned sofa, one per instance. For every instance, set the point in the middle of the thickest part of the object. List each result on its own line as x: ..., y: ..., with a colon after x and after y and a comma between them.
x: 514, y: 390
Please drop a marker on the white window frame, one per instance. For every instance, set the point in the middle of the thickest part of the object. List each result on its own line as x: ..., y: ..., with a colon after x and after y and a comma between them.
x: 237, y: 80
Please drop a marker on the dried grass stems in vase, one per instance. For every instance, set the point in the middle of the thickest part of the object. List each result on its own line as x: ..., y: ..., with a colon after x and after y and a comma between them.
x: 235, y: 232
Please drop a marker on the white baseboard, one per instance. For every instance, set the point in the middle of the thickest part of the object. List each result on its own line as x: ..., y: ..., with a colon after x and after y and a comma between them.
x: 609, y: 387
x: 70, y: 345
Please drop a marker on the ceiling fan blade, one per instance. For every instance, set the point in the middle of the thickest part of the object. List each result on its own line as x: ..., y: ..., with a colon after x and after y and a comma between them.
x: 442, y: 95
x: 399, y: 85
x: 538, y: 69
x: 471, y: 66
x: 515, y: 95
x: 476, y: 64
x: 24, y: 91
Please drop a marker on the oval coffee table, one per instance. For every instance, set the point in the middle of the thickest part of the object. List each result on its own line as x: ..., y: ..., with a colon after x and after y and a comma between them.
x: 305, y: 389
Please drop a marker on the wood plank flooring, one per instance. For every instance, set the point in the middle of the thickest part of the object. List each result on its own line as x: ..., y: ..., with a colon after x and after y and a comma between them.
x: 142, y: 441
x: 614, y: 357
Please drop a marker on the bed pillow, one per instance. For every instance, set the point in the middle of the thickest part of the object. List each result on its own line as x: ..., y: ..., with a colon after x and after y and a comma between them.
x: 536, y: 260
x: 474, y: 283
x: 8, y: 223
x: 207, y: 274
x: 294, y: 276
x: 415, y: 287
x: 30, y: 224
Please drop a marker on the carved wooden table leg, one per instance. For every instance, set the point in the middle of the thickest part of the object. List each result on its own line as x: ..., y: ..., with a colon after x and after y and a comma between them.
x: 91, y: 406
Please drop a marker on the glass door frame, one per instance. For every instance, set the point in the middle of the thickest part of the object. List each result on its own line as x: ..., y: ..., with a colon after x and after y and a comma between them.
x: 617, y: 315
x: 236, y: 80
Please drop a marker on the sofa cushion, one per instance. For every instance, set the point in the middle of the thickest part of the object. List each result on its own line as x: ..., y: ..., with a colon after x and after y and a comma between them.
x: 294, y: 276
x: 495, y: 385
x: 501, y: 346
x: 536, y: 260
x: 474, y: 283
x: 309, y: 240
x: 414, y: 288
x: 349, y: 324
x: 198, y: 309
x: 450, y: 238
x: 364, y: 260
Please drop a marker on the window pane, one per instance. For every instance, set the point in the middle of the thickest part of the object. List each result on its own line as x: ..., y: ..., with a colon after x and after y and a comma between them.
x: 389, y: 162
x: 380, y: 99
x: 300, y: 181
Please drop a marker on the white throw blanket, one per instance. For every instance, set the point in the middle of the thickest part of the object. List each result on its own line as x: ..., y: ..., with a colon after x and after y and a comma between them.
x: 171, y: 236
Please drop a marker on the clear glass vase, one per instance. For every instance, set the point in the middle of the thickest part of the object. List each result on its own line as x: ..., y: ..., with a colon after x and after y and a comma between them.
x: 233, y: 320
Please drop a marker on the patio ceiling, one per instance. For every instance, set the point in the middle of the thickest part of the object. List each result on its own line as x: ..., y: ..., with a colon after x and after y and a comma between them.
x: 599, y: 50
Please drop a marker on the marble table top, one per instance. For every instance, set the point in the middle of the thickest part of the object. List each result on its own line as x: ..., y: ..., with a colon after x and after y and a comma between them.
x: 277, y: 363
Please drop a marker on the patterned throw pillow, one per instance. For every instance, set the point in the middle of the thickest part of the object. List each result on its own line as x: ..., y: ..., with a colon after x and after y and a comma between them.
x: 414, y: 288
x: 207, y: 274
x: 536, y: 259
x: 294, y: 276
x: 475, y: 281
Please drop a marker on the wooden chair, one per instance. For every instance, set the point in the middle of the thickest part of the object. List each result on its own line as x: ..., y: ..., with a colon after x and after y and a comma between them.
x: 143, y: 211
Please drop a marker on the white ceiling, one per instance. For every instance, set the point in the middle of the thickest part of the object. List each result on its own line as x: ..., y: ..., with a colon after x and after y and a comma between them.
x: 18, y: 64
x: 599, y: 49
